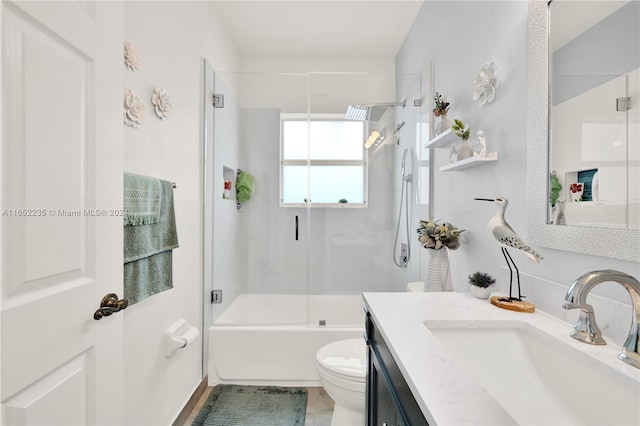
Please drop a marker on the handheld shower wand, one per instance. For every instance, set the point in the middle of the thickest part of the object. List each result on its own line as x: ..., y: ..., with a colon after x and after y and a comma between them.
x: 405, y: 255
x: 405, y: 177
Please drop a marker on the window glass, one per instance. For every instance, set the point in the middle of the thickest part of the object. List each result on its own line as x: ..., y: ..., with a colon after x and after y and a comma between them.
x: 294, y: 137
x: 294, y: 181
x: 330, y: 184
x: 336, y: 140
x: 334, y: 169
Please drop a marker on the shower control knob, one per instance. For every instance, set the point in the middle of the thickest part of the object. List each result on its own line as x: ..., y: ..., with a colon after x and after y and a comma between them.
x: 109, y: 305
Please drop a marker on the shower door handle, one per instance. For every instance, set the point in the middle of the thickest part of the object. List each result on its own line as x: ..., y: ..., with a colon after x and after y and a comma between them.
x: 296, y: 227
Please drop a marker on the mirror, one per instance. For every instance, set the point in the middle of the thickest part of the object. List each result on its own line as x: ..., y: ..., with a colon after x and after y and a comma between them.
x: 594, y: 49
x: 593, y: 239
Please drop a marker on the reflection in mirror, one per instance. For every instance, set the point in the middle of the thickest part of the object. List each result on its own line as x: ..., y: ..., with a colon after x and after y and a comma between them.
x: 596, y: 240
x: 594, y: 114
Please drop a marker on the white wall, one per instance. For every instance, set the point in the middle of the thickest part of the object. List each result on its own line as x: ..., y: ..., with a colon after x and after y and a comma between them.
x: 459, y: 37
x: 172, y: 38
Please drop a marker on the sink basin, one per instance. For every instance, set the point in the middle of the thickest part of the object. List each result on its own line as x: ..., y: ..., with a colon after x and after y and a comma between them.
x: 538, y: 378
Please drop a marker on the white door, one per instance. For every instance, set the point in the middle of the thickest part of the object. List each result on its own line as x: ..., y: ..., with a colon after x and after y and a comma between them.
x: 61, y: 233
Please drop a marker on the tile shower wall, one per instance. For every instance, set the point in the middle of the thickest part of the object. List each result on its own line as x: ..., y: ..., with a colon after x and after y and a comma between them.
x: 485, y: 32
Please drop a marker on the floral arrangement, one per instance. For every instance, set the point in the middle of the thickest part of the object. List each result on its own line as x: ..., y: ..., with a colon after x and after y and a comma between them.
x: 436, y: 236
x: 480, y: 279
x: 441, y: 105
x: 460, y: 130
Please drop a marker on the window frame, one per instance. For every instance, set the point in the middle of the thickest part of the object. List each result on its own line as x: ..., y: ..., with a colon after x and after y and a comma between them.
x: 309, y: 162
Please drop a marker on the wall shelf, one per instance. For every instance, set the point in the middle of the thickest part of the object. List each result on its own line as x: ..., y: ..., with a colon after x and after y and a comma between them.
x: 470, y: 162
x: 441, y: 140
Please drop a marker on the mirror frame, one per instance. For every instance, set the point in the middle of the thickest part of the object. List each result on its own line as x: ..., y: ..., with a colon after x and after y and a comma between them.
x: 621, y: 244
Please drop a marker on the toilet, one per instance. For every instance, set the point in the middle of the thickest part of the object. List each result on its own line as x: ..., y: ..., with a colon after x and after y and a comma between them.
x: 342, y: 367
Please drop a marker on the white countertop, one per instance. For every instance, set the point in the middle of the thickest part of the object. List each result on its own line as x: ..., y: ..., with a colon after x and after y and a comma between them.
x: 445, y: 392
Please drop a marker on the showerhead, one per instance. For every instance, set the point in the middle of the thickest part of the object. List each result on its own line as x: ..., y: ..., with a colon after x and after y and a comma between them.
x: 371, y: 112
x: 357, y: 112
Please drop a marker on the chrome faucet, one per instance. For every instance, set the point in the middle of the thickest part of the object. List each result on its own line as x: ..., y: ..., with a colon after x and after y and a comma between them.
x: 586, y: 329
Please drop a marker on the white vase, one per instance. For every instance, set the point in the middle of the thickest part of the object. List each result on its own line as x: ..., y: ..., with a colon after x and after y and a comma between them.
x: 443, y: 125
x: 481, y: 292
x: 438, y: 271
x: 464, y: 150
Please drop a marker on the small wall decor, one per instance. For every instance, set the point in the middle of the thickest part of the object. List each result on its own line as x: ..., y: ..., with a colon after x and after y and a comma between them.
x: 131, y: 56
x: 440, y: 109
x: 462, y: 149
x: 480, y: 150
x: 486, y: 83
x: 134, y: 109
x: 161, y: 103
x: 576, y: 191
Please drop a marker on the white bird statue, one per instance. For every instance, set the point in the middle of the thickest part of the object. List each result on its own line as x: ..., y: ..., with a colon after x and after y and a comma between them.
x: 507, y: 238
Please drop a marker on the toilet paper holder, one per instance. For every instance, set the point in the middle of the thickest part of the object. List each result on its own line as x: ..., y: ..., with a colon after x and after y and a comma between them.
x: 179, y: 335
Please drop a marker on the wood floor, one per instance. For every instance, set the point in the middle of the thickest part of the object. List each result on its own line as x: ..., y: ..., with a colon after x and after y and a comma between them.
x: 319, y: 407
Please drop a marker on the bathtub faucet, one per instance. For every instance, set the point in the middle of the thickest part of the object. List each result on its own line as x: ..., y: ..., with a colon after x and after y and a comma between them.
x: 586, y: 329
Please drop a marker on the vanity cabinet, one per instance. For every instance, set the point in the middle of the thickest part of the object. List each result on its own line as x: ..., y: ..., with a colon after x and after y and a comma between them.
x: 389, y: 399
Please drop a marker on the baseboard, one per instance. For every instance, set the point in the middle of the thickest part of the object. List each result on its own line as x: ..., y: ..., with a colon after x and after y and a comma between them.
x: 191, y: 403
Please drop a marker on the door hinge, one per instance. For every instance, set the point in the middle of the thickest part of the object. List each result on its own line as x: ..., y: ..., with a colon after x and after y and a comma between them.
x: 218, y: 100
x: 216, y: 296
x: 623, y: 104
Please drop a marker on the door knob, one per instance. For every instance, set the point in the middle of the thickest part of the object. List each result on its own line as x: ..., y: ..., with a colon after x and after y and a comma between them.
x: 109, y: 305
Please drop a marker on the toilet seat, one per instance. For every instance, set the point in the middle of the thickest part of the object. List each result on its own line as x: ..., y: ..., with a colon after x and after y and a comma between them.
x: 345, y: 359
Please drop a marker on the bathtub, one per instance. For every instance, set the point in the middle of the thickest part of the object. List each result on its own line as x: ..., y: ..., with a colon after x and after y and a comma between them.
x: 263, y: 339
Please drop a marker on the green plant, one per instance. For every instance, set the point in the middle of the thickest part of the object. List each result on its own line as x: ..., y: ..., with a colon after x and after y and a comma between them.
x: 441, y: 105
x: 459, y: 129
x: 436, y: 236
x: 480, y: 279
x: 342, y: 201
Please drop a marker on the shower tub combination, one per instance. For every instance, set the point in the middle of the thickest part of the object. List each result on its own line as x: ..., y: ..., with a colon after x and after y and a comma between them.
x: 271, y: 339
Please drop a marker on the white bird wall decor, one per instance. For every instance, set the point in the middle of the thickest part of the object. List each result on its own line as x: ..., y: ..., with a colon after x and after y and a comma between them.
x: 506, y: 237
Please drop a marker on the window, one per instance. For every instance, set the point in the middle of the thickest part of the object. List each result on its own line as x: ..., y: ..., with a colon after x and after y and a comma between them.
x: 322, y: 162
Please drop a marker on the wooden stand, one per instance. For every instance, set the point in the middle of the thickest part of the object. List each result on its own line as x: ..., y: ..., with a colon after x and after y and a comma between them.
x: 513, y: 305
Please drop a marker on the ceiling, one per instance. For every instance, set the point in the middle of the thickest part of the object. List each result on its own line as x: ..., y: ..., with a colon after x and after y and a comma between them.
x: 329, y: 28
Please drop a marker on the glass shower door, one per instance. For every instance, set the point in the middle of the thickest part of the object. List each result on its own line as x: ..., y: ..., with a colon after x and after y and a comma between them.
x: 352, y: 237
x: 260, y: 249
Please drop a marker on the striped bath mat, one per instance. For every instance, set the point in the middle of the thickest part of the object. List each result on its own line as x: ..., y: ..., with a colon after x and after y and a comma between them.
x: 232, y: 405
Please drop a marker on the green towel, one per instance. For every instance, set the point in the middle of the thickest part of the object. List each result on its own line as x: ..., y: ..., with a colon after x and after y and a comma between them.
x: 244, y: 187
x: 141, y: 199
x: 147, y: 252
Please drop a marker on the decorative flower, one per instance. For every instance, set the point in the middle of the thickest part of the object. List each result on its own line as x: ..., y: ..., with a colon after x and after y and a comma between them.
x: 575, y: 187
x: 134, y: 109
x: 460, y: 130
x: 486, y: 83
x: 161, y: 103
x: 436, y: 236
x: 131, y: 56
x: 441, y: 105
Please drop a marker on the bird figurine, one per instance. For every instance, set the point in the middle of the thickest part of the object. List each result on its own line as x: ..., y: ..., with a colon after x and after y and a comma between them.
x: 506, y: 237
